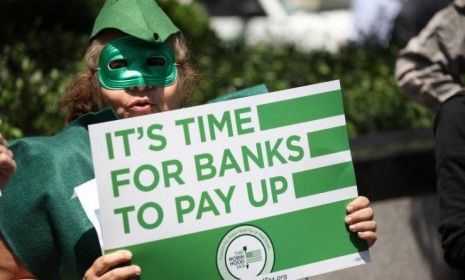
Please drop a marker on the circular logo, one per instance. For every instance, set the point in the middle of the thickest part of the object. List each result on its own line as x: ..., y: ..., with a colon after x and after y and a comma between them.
x: 245, y: 252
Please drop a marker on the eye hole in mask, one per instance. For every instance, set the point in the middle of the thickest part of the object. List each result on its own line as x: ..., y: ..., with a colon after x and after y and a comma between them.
x: 156, y: 61
x: 118, y: 63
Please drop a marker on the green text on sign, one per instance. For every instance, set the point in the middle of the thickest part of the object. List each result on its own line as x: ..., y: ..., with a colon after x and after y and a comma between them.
x: 298, y: 110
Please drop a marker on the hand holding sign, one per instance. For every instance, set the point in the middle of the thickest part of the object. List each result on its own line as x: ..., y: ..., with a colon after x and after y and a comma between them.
x: 7, y: 163
x: 360, y: 219
x: 104, y: 267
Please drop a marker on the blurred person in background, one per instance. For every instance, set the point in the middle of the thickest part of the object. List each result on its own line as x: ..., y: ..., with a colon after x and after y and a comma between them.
x: 430, y: 69
x: 413, y: 17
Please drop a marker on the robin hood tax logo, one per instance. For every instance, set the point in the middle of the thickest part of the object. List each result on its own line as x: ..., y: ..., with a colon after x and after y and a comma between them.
x: 245, y: 252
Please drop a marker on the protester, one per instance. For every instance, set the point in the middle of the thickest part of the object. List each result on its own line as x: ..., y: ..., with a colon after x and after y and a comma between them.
x: 430, y: 68
x: 45, y: 232
x: 7, y: 163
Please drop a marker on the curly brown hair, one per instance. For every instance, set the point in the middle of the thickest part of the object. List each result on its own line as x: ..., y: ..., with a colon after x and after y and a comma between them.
x: 83, y: 93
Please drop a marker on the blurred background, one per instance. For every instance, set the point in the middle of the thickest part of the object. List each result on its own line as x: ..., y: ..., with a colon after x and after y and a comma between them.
x: 283, y: 44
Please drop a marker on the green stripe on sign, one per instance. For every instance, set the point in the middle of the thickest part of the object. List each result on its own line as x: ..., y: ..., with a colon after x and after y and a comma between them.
x: 328, y: 141
x: 324, y: 179
x: 301, y: 237
x: 311, y: 235
x: 297, y: 110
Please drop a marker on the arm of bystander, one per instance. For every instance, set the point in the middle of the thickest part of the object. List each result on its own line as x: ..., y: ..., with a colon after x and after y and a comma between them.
x: 450, y: 169
x: 429, y: 67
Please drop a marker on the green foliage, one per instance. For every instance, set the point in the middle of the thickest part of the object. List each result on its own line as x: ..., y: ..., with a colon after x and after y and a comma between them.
x: 37, y: 63
x: 373, y: 102
x: 28, y: 94
x: 37, y: 60
x: 20, y: 18
x: 192, y: 19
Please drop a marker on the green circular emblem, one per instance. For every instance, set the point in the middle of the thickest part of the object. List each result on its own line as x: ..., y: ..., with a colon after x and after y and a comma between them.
x: 245, y: 252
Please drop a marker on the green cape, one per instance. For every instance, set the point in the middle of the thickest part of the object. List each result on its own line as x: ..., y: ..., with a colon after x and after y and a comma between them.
x: 45, y: 227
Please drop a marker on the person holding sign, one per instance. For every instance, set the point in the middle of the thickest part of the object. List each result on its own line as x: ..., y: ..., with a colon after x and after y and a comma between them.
x: 137, y: 64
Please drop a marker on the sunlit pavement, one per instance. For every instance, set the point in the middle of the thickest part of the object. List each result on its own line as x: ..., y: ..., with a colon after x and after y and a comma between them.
x: 408, y: 245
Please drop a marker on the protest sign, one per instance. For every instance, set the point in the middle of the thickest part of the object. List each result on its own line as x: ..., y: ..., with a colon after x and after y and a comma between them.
x: 253, y: 188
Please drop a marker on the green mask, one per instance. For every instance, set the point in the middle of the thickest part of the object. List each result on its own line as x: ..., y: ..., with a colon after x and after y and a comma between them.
x: 129, y: 62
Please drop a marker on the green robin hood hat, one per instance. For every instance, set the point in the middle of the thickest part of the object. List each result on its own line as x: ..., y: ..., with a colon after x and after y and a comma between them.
x: 143, y: 19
